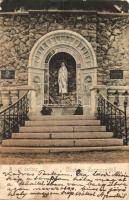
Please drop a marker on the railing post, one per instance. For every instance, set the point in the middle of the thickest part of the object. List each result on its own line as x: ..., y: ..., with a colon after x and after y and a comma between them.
x: 120, y: 124
x: 18, y: 94
x: 116, y: 101
x: 98, y: 106
x: 108, y: 94
x: 107, y: 116
x: 111, y: 119
x: 26, y: 106
x: 125, y: 111
x: 10, y: 98
x: 1, y: 104
x: 4, y: 128
x: 9, y: 117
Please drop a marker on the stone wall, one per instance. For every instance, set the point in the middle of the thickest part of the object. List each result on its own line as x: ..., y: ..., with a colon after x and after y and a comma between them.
x: 107, y: 33
x: 113, y: 48
x: 14, y: 47
x: 19, y: 32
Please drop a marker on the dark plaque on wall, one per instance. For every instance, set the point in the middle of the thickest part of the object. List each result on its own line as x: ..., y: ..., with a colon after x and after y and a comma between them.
x: 116, y: 74
x: 7, y: 74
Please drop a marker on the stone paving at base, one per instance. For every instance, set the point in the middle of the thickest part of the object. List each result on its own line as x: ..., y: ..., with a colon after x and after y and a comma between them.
x: 87, y: 157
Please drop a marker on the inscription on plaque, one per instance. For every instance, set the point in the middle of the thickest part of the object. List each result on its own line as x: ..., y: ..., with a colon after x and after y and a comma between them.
x: 7, y: 74
x: 116, y: 74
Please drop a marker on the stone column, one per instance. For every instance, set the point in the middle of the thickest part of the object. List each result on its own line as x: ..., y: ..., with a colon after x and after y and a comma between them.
x: 36, y: 95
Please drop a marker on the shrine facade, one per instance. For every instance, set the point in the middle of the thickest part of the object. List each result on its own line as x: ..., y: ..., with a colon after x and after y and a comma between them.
x: 93, y: 45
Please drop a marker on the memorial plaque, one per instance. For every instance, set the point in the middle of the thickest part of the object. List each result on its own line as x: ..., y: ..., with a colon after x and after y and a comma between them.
x: 7, y: 74
x: 116, y: 74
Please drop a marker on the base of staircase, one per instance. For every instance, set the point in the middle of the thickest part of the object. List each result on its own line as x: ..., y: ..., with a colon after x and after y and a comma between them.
x: 23, y: 150
x: 55, y: 134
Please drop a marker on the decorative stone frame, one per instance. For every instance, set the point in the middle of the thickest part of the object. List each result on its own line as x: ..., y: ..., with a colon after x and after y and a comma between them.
x: 50, y: 44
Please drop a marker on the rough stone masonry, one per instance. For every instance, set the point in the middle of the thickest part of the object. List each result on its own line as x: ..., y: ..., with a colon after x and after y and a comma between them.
x: 107, y: 33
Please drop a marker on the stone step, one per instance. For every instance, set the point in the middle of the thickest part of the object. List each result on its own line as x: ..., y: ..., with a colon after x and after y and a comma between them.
x: 61, y: 135
x: 62, y: 129
x: 60, y: 117
x: 46, y: 150
x: 62, y: 142
x: 62, y: 123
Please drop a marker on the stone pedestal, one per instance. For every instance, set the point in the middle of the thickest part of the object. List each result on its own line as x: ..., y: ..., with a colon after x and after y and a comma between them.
x: 63, y: 109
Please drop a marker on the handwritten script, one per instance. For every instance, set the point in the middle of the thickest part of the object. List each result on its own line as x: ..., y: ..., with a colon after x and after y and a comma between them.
x: 65, y: 181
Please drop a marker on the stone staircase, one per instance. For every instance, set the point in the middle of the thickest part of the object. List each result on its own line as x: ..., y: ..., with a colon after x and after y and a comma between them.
x: 48, y: 134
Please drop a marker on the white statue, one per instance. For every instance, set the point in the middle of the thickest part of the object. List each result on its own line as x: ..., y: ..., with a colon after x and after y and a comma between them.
x: 63, y: 79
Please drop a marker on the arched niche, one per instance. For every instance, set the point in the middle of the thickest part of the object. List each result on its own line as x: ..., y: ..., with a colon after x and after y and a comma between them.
x: 51, y: 44
x: 52, y: 86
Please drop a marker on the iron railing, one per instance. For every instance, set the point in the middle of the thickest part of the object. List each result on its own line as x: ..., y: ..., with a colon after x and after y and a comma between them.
x: 112, y: 117
x: 13, y: 117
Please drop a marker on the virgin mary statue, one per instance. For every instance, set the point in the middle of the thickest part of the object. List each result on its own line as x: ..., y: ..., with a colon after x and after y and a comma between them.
x: 63, y: 79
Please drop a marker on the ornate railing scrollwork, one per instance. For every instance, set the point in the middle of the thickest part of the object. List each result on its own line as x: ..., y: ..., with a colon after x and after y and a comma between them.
x: 112, y: 117
x: 13, y: 117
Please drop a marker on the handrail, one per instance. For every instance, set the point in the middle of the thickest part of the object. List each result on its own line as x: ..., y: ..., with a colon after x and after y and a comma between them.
x: 112, y: 104
x: 13, y: 103
x: 112, y: 117
x: 14, y: 116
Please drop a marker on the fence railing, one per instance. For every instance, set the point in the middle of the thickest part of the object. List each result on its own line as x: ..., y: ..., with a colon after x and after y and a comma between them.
x: 13, y: 117
x: 112, y: 117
